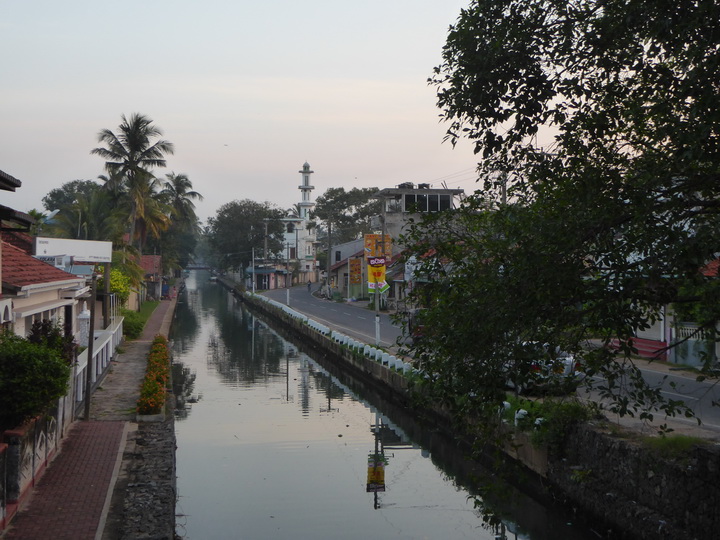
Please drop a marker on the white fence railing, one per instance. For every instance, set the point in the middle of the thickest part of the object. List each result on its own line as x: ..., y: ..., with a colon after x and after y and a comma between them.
x: 106, y: 343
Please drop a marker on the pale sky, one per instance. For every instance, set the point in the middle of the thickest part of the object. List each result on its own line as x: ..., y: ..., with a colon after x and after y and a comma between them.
x: 247, y: 92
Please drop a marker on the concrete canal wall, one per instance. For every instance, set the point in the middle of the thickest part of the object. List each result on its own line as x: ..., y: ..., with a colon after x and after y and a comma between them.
x: 616, y: 480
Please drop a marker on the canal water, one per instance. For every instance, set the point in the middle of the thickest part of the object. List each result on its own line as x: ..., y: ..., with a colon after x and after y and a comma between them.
x: 274, y: 444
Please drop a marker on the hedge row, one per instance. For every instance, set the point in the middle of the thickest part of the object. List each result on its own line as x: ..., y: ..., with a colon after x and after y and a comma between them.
x: 153, y: 389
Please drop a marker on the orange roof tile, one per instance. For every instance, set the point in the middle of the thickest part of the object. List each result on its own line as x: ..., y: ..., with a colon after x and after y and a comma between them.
x: 20, y: 270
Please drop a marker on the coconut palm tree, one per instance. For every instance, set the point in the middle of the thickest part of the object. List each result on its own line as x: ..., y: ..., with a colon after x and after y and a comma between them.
x: 152, y: 214
x: 178, y: 193
x: 295, y: 210
x: 129, y: 156
x: 92, y: 216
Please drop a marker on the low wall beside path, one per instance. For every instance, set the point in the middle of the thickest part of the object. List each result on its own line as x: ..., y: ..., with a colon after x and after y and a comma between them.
x: 635, y: 492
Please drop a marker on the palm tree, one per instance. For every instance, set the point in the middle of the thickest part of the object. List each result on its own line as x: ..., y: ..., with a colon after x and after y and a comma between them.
x: 92, y: 216
x: 129, y: 157
x: 152, y: 214
x: 39, y: 217
x: 179, y: 195
x: 295, y: 210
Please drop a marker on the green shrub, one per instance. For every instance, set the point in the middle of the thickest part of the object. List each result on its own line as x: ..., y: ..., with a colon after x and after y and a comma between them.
x: 48, y: 333
x: 559, y: 417
x: 120, y: 285
x: 32, y: 376
x: 549, y: 420
x: 135, y: 320
x: 133, y: 324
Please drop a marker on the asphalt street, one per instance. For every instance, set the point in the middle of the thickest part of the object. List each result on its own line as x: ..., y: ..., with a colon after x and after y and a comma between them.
x: 357, y: 321
x: 353, y: 319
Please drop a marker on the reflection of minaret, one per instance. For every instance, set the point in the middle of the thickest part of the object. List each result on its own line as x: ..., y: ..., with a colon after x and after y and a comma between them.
x: 306, y: 205
x: 304, y: 370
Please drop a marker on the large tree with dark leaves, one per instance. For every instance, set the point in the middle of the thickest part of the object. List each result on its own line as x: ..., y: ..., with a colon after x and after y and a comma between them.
x: 238, y: 227
x: 598, y: 124
x: 348, y: 212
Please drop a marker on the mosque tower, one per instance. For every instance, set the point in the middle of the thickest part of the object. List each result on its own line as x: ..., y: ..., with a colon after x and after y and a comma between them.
x: 306, y: 205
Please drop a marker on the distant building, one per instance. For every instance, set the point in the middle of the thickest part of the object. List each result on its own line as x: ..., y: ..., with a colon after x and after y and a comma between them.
x: 405, y: 202
x: 400, y: 204
x: 298, y: 254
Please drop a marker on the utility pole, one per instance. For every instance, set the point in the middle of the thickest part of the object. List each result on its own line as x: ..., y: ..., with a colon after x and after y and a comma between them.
x: 106, y: 295
x: 90, y: 347
x: 377, y: 285
x: 329, y: 259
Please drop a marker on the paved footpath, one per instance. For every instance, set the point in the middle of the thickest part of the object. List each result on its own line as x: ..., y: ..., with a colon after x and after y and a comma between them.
x: 72, y: 499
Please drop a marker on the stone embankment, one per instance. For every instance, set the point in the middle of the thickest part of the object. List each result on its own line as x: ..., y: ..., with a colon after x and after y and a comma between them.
x: 149, y: 486
x: 635, y: 492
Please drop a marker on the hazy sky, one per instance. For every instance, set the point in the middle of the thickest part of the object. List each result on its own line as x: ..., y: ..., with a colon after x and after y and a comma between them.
x: 247, y: 92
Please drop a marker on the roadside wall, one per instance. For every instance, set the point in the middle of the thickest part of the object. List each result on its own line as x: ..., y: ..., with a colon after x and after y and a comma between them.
x: 637, y: 490
x: 618, y: 481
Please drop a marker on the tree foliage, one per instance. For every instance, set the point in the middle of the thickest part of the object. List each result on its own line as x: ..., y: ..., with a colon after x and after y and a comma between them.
x: 348, y: 211
x: 177, y: 243
x: 68, y: 193
x: 239, y: 227
x: 93, y: 214
x: 32, y: 376
x: 130, y: 155
x: 591, y: 236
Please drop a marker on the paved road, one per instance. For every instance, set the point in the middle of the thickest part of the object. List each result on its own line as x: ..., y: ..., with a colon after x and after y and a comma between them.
x: 355, y: 320
x: 683, y: 386
x: 351, y: 318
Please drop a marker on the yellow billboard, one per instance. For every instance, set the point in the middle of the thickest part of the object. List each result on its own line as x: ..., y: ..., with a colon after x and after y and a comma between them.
x: 374, y: 246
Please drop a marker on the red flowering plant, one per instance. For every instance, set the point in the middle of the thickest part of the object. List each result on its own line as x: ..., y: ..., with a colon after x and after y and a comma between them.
x: 153, y: 389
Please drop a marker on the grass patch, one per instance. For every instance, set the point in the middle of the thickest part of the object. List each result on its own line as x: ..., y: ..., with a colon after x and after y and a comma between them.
x: 672, y: 446
x: 147, y: 308
x: 135, y: 320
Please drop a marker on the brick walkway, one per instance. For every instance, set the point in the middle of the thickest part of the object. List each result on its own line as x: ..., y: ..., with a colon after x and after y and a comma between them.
x: 72, y: 499
x: 68, y: 502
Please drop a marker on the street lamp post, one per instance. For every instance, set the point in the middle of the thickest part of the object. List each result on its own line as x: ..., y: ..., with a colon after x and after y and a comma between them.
x: 287, y: 273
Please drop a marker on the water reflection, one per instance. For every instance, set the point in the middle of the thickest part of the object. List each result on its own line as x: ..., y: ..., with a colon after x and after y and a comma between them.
x: 283, y: 445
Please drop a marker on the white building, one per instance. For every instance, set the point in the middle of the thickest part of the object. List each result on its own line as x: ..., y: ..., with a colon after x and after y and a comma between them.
x: 300, y: 241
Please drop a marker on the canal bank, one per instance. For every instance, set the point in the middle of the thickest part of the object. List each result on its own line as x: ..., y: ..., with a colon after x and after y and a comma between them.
x: 600, y: 470
x: 114, y: 478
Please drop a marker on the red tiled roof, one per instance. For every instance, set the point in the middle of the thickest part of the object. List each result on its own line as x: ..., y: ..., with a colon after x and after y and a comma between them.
x: 711, y: 268
x: 19, y: 239
x: 152, y: 264
x: 20, y: 269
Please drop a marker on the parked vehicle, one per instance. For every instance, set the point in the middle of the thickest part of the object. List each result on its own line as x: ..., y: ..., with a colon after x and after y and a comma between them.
x: 551, y: 370
x: 415, y: 325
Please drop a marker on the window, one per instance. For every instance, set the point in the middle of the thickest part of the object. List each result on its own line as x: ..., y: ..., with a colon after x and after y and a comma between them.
x: 409, y: 203
x: 444, y: 202
x: 433, y: 203
x: 337, y: 256
x: 421, y: 203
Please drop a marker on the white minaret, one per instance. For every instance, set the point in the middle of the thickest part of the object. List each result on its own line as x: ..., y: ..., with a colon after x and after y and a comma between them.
x: 306, y: 205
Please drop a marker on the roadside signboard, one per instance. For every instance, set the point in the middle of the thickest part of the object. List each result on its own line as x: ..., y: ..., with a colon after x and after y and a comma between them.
x: 374, y: 245
x: 89, y: 251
